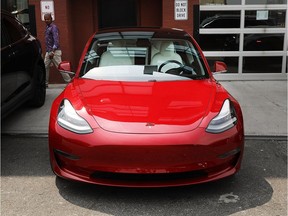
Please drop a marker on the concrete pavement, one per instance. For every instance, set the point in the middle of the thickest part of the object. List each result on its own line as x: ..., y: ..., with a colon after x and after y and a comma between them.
x: 32, y: 121
x: 264, y: 106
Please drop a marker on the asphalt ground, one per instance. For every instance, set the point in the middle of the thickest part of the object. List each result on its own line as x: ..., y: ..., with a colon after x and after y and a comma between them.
x: 28, y: 187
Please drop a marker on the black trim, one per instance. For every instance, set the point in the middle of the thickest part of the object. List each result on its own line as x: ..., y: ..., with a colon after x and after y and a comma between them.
x: 196, y: 22
x: 67, y: 155
x: 148, y: 177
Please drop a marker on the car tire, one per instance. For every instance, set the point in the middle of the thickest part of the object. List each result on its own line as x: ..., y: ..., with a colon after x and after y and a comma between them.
x: 39, y: 87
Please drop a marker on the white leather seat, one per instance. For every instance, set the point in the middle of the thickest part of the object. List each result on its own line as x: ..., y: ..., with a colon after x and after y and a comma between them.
x: 116, y: 54
x: 167, y: 52
x: 155, y: 48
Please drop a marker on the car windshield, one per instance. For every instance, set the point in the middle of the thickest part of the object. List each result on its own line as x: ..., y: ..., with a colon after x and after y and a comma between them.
x: 141, y: 57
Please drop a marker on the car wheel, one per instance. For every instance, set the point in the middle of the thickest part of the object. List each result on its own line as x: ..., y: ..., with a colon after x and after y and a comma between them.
x: 39, y: 87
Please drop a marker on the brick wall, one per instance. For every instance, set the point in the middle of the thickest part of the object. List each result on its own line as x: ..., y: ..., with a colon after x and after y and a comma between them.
x: 169, y: 20
x: 63, y: 21
x: 77, y: 20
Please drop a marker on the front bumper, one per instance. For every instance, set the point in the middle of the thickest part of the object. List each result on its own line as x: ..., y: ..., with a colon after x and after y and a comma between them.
x: 145, y: 160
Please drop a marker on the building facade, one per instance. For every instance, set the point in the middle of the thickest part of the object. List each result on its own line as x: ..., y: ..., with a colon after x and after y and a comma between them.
x: 250, y: 36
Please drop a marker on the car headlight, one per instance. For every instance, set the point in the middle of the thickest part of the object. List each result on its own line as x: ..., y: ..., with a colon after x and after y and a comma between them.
x: 70, y: 120
x: 225, y: 120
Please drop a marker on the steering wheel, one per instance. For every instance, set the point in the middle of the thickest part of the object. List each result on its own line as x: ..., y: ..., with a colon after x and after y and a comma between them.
x: 167, y: 62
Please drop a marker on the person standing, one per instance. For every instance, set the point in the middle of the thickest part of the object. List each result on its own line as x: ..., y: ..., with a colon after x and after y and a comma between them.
x: 53, y: 51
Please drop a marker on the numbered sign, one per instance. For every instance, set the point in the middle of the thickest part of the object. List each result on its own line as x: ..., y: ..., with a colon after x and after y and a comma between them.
x: 47, y: 7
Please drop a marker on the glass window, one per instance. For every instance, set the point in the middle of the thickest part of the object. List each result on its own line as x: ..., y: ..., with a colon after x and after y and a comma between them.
x: 219, y: 42
x: 220, y: 2
x: 14, y: 29
x: 270, y: 64
x: 251, y: 2
x: 220, y: 19
x: 267, y: 19
x: 231, y: 62
x: 5, y: 38
x: 138, y: 57
x: 263, y: 42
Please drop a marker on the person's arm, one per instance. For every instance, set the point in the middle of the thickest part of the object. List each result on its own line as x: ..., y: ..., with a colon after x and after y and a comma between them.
x: 55, y: 33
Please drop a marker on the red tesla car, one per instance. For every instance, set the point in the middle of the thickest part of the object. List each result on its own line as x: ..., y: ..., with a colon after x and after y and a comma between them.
x: 144, y: 110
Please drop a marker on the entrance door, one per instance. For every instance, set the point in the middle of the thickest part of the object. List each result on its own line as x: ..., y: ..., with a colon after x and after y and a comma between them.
x: 115, y: 13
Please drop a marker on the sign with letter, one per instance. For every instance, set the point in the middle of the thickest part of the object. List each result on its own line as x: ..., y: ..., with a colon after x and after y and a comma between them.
x: 47, y: 7
x: 181, y: 10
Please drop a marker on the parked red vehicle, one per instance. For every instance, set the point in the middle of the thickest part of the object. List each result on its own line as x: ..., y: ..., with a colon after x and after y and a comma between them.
x: 144, y: 110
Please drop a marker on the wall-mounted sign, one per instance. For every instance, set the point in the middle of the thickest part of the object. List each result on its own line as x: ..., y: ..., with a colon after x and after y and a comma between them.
x: 181, y: 9
x: 47, y: 7
x: 262, y: 15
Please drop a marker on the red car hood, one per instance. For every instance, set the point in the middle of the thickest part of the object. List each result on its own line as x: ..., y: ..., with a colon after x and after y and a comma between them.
x: 147, y: 107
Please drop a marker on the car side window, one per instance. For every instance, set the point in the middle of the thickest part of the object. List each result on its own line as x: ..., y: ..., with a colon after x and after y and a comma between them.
x: 5, y: 39
x: 11, y: 31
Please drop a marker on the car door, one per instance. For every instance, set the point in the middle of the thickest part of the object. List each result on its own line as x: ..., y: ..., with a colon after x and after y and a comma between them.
x: 15, y: 60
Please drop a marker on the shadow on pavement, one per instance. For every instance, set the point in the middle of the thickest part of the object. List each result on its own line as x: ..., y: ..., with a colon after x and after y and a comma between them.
x: 246, y: 190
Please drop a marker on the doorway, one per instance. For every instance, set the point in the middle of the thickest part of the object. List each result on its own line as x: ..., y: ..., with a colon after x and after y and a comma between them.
x: 115, y: 13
